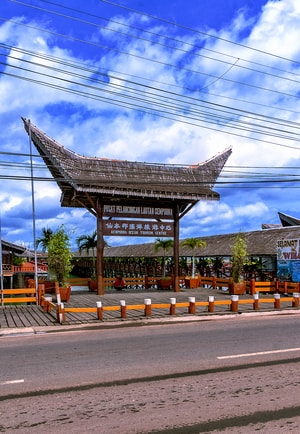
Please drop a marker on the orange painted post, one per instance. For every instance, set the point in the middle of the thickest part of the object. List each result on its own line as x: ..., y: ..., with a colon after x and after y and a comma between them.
x: 58, y: 297
x: 99, y: 310
x: 296, y: 299
x: 45, y: 305
x: 48, y: 304
x: 58, y: 312
x: 252, y: 287
x: 147, y: 302
x: 61, y: 313
x: 214, y: 282
x: 277, y: 301
x: 234, y: 307
x: 172, y: 306
x: 255, y: 301
x: 123, y: 309
x: 41, y: 293
x: 211, y: 303
x: 192, y: 305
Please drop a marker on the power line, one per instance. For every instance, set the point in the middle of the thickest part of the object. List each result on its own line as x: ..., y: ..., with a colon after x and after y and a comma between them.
x: 231, y: 63
x: 166, y: 104
x: 151, y: 99
x: 194, y: 30
x: 159, y: 62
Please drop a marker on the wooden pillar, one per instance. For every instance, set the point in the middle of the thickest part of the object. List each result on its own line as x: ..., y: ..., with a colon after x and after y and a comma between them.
x: 100, y: 249
x: 176, y: 250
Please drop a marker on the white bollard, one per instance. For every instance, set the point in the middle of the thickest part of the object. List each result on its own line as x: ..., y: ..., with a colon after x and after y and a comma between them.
x: 296, y: 299
x: 255, y: 300
x: 211, y: 303
x: 234, y: 303
x: 277, y: 301
x: 147, y: 302
x: 61, y: 313
x: 192, y: 306
x: 123, y: 308
x: 172, y: 306
x: 99, y: 310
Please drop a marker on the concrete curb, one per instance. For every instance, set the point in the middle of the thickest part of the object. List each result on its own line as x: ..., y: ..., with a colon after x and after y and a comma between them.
x: 30, y: 331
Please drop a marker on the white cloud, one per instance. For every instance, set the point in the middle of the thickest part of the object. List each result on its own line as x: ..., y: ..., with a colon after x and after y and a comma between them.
x: 98, y: 128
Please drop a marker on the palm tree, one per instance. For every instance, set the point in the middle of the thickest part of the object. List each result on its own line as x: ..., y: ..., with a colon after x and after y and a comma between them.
x: 44, y: 240
x: 165, y: 245
x: 193, y: 244
x: 87, y: 243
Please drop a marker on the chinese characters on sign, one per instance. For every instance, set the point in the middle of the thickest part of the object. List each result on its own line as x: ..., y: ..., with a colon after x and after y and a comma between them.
x: 138, y: 228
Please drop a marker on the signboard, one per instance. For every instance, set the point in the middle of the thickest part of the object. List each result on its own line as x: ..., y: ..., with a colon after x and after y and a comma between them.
x: 138, y: 212
x: 288, y: 259
x: 137, y: 228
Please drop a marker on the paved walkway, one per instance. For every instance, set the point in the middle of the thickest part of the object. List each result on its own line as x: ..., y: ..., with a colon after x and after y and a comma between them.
x: 24, y: 316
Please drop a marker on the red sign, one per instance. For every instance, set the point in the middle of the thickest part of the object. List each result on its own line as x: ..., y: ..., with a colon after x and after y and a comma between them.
x: 138, y: 228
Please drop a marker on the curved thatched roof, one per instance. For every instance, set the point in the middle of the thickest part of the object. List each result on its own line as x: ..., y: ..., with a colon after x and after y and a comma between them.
x: 79, y: 176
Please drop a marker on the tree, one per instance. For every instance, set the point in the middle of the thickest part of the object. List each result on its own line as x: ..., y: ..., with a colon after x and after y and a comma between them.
x: 217, y: 265
x: 239, y: 257
x: 165, y: 245
x: 59, y: 255
x: 193, y: 244
x: 87, y: 243
x: 44, y: 240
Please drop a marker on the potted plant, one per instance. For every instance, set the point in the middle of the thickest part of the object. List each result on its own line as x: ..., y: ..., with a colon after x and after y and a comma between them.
x: 239, y: 259
x: 165, y: 245
x: 59, y: 260
x: 192, y: 244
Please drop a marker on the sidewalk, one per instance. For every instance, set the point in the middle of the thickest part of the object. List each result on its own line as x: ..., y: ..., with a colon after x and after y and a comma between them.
x: 30, y: 319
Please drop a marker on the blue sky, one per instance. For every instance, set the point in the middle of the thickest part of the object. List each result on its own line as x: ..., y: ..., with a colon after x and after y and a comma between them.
x: 156, y: 81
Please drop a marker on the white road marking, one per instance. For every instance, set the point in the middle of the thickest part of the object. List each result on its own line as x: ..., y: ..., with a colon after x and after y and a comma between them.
x: 12, y: 382
x: 261, y: 353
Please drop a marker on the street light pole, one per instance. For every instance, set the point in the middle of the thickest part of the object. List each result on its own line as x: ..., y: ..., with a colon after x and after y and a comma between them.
x: 1, y: 265
x: 33, y: 215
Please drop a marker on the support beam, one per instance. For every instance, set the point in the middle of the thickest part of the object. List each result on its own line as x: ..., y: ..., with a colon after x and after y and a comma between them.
x: 100, y: 249
x: 176, y: 250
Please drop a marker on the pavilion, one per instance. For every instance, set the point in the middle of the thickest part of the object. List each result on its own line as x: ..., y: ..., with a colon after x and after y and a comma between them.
x: 114, y: 189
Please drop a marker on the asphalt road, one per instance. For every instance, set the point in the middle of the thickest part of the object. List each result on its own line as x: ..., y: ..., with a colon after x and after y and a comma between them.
x: 238, y: 376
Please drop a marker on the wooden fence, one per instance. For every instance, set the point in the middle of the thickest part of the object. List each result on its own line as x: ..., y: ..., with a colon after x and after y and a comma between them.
x: 28, y: 295
x: 252, y: 286
x: 210, y: 306
x: 21, y: 295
